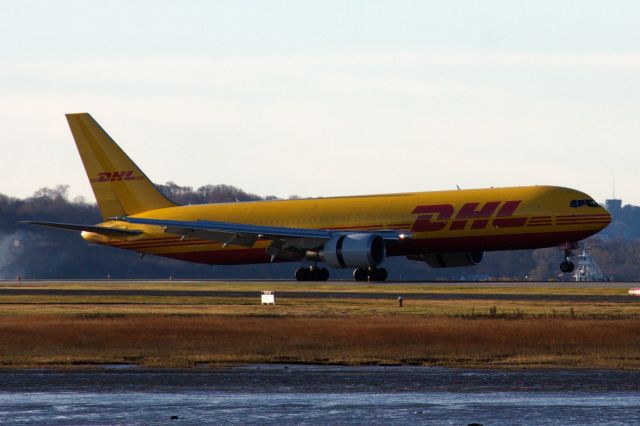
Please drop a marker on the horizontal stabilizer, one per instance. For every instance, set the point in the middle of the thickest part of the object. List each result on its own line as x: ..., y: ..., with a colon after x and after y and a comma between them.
x: 108, y: 232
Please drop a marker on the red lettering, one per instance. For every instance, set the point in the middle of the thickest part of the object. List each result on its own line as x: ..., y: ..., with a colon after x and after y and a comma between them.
x: 508, y: 208
x: 504, y: 219
x: 479, y: 224
x: 457, y: 225
x: 469, y: 210
x: 424, y: 222
x: 104, y: 177
x: 115, y: 176
x: 437, y: 217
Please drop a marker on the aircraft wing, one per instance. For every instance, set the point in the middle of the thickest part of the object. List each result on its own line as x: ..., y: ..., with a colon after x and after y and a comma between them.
x: 103, y: 230
x: 246, y: 234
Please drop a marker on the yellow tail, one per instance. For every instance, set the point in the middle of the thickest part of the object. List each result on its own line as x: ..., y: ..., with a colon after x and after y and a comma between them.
x: 118, y: 184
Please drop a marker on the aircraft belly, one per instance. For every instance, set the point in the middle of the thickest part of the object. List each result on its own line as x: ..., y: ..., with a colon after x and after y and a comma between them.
x: 443, y: 244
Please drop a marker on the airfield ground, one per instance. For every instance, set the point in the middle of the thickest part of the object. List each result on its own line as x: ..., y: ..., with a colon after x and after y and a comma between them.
x: 212, y: 323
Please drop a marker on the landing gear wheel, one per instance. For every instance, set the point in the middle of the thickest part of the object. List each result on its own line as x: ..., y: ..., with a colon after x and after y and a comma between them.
x: 323, y: 274
x: 370, y: 274
x: 379, y: 274
x: 566, y: 266
x: 318, y: 274
x: 360, y: 274
x: 312, y: 274
x: 302, y: 274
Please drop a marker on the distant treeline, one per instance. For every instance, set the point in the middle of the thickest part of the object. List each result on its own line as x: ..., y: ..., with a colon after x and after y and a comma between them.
x: 36, y: 252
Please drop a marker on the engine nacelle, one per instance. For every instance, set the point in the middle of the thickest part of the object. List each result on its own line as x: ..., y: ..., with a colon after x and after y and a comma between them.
x: 354, y: 251
x: 452, y: 260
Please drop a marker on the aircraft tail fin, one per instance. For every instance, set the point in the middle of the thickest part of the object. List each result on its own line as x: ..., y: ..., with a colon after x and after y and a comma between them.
x: 120, y: 187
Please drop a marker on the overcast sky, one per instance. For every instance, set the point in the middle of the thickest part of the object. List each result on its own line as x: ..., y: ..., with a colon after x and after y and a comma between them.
x: 327, y: 97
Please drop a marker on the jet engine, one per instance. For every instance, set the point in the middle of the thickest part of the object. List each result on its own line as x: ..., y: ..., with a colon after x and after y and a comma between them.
x: 359, y: 250
x: 450, y: 260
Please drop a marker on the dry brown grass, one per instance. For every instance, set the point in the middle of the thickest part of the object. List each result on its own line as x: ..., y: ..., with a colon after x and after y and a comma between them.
x: 136, y: 305
x: 165, y: 340
x: 172, y: 330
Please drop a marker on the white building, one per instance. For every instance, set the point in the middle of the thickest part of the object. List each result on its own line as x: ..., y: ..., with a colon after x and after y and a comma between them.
x: 587, y: 270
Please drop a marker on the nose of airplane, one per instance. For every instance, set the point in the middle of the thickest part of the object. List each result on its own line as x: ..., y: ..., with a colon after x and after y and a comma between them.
x: 608, y: 218
x: 586, y: 211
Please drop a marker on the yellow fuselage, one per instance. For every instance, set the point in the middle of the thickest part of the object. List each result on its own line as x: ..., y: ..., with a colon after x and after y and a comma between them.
x: 439, y: 222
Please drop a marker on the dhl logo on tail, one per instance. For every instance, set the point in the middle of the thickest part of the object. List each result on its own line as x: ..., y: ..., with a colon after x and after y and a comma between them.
x: 116, y: 176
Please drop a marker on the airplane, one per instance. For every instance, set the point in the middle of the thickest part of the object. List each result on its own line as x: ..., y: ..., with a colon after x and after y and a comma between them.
x: 441, y: 228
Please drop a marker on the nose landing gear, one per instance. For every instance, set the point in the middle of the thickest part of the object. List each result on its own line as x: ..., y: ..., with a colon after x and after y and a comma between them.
x: 370, y: 274
x: 567, y: 266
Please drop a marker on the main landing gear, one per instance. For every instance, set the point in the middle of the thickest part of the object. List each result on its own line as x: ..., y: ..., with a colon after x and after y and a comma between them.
x: 370, y: 274
x: 312, y: 273
x: 567, y: 266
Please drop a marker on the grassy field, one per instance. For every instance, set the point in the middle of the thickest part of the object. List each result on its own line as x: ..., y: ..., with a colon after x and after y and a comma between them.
x: 169, y: 330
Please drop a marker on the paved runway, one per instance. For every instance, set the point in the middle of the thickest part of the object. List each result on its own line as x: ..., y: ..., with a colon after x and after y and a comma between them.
x: 426, y: 284
x: 14, y: 291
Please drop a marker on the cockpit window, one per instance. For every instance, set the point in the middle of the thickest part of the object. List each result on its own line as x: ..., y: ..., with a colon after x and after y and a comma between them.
x: 581, y: 203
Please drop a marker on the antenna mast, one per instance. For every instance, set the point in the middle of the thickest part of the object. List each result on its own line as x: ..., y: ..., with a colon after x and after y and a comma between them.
x: 613, y: 186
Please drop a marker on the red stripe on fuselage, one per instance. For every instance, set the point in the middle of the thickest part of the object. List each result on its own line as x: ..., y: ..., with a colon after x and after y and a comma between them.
x: 573, y: 216
x: 510, y: 222
x: 403, y: 248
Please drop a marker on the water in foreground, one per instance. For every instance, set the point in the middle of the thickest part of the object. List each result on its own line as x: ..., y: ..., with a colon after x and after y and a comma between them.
x: 291, y: 394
